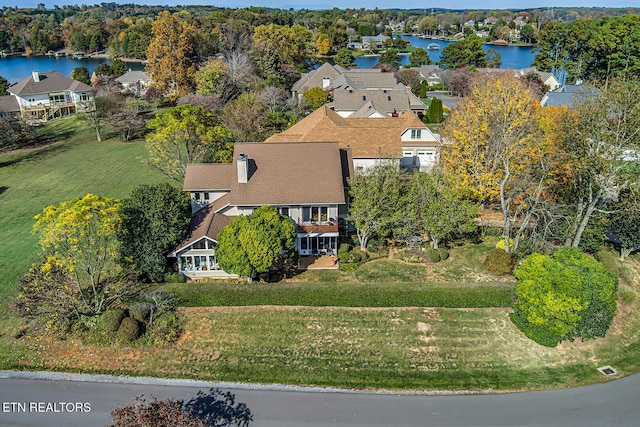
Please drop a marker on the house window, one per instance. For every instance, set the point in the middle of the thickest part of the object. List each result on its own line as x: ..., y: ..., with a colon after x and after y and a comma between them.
x: 200, y: 244
x: 206, y: 196
x: 416, y: 133
x: 303, y: 244
x: 56, y: 98
x: 196, y: 196
x: 284, y: 211
x: 84, y: 97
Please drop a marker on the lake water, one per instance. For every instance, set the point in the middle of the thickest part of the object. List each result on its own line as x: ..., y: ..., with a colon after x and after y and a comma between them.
x: 16, y: 68
x: 512, y: 56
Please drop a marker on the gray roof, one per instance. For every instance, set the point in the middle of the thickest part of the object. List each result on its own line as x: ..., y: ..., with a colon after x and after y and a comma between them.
x: 48, y: 82
x: 9, y: 104
x: 133, y: 77
x: 204, y: 223
x: 383, y: 100
x: 341, y: 78
x: 567, y: 95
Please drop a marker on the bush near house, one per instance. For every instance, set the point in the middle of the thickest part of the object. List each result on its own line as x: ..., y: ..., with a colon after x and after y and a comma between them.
x: 498, y: 262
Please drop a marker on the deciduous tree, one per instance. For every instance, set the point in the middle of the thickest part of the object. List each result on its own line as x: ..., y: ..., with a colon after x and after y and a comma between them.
x: 625, y: 222
x: 170, y: 54
x: 253, y: 243
x: 434, y: 208
x: 603, y: 136
x: 376, y: 200
x: 80, y: 272
x: 186, y: 134
x: 496, y: 152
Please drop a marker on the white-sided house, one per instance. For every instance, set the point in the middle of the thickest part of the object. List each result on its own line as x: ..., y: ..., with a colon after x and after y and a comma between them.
x: 43, y: 96
x: 306, y: 182
x: 404, y: 138
x: 136, y: 82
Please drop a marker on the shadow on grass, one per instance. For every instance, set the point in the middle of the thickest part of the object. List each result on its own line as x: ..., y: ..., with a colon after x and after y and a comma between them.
x: 32, y: 152
x: 3, y: 189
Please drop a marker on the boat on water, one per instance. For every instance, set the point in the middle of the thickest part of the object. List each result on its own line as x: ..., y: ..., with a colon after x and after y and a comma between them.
x: 433, y: 46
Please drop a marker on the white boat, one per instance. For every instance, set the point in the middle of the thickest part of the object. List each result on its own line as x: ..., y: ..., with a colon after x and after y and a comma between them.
x: 433, y: 46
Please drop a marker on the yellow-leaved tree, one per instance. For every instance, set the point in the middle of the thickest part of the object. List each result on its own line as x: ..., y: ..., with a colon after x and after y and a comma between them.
x: 80, y: 274
x: 498, y: 148
x: 170, y: 54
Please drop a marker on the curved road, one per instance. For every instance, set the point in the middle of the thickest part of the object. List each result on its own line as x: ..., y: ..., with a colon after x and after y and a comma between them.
x: 615, y: 403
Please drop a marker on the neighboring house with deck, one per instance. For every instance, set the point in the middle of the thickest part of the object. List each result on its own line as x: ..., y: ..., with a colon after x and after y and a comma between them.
x: 305, y: 182
x: 44, y: 96
x: 404, y: 138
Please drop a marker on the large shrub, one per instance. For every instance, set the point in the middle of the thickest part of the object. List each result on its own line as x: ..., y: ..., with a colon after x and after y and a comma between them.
x: 128, y: 331
x: 564, y: 296
x: 433, y: 255
x: 110, y: 320
x: 498, y: 262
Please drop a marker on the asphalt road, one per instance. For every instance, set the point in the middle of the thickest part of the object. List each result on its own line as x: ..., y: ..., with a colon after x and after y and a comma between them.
x: 84, y: 403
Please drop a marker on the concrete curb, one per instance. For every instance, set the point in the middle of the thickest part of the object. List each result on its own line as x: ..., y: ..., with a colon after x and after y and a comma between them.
x: 100, y: 378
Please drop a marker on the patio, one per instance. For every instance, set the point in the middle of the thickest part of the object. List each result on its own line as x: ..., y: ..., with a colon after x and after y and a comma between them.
x: 323, y: 262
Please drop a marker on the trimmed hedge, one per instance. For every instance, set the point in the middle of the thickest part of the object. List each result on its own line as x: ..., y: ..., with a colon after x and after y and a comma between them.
x: 347, y: 295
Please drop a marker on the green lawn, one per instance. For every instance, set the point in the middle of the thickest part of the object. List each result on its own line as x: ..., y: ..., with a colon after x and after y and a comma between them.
x: 374, y: 327
x: 35, y: 178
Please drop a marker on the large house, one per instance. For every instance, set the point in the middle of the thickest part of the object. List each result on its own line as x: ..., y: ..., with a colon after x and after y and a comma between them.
x: 43, y: 96
x: 404, y: 138
x: 306, y: 182
x: 334, y: 77
x: 377, y: 103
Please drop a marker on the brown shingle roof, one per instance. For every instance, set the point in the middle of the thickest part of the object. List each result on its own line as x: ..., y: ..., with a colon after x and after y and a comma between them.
x: 286, y: 174
x: 49, y: 82
x: 204, y: 223
x: 201, y: 176
x: 366, y: 137
x: 280, y: 174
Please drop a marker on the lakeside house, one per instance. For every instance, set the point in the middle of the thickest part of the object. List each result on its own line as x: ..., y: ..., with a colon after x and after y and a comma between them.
x: 44, y: 96
x: 404, y: 138
x: 305, y: 182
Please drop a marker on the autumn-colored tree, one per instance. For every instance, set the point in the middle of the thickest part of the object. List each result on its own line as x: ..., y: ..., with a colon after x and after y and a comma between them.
x: 323, y: 43
x: 277, y: 45
x: 80, y: 274
x: 186, y: 134
x: 170, y: 54
x: 316, y: 97
x: 496, y: 151
x: 245, y: 118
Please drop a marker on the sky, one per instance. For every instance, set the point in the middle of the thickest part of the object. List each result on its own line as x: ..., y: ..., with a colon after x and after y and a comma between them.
x: 354, y: 4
